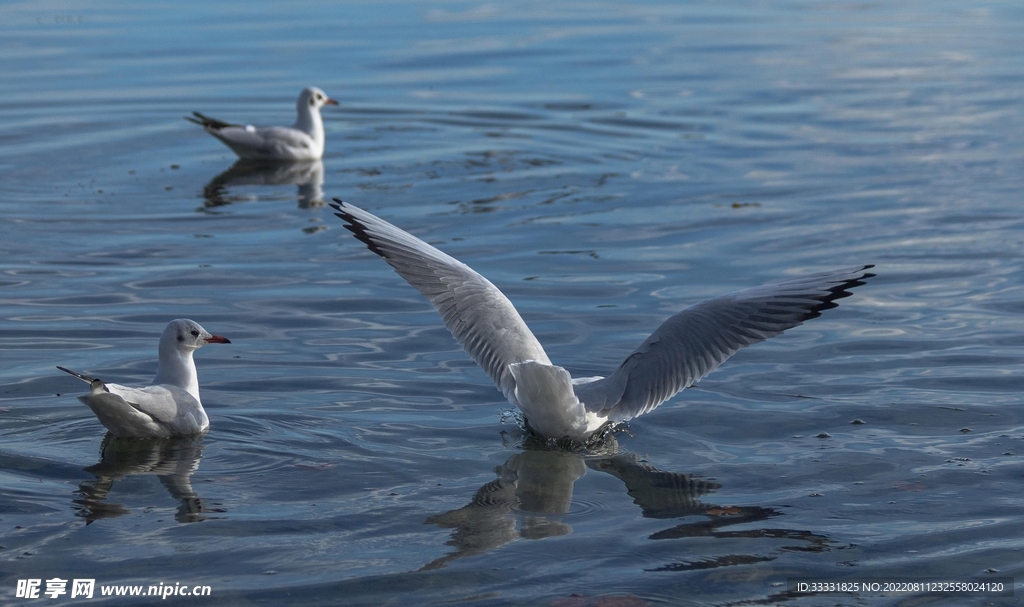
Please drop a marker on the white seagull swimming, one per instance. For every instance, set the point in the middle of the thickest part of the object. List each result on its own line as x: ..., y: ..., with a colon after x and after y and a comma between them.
x: 169, y: 407
x: 302, y: 141
x: 685, y: 348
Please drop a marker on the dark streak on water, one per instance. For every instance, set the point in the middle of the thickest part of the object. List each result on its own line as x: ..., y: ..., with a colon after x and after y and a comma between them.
x: 605, y: 166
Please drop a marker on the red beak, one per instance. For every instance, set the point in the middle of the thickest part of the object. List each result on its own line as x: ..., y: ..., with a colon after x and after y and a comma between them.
x: 330, y: 102
x: 217, y: 339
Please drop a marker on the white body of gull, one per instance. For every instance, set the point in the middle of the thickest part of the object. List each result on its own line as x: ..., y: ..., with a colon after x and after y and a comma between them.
x: 302, y: 141
x: 169, y: 407
x: 685, y: 348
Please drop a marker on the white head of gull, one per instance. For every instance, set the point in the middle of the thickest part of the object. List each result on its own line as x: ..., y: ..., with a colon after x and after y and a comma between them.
x: 169, y: 407
x: 302, y: 141
x: 685, y: 348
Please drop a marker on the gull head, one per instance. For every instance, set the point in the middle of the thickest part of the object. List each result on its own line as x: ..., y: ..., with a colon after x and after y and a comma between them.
x: 187, y: 335
x: 314, y: 98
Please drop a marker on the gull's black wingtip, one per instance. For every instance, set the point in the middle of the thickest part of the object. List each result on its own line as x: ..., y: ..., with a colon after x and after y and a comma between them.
x: 842, y: 290
x: 354, y: 225
x: 342, y: 213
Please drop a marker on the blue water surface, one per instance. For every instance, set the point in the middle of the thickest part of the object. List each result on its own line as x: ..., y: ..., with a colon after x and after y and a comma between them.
x: 605, y: 164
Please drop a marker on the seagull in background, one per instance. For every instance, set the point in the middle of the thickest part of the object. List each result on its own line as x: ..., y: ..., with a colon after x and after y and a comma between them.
x: 169, y: 407
x: 685, y: 348
x: 302, y: 141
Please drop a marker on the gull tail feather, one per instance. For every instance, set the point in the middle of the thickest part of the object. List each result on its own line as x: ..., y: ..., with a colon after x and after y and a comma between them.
x: 206, y: 121
x: 84, y: 378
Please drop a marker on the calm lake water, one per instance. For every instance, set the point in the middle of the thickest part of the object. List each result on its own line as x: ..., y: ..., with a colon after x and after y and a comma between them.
x: 605, y: 164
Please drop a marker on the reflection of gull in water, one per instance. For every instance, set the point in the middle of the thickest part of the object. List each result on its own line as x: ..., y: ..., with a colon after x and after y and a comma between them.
x: 538, y: 482
x: 308, y: 176
x: 658, y: 493
x: 173, y: 461
x: 685, y: 348
x: 532, y: 482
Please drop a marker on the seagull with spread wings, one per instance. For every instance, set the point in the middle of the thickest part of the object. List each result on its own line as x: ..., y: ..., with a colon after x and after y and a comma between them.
x: 685, y: 348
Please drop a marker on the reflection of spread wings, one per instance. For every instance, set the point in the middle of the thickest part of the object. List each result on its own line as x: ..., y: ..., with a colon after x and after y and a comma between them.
x: 659, y: 494
x: 481, y: 525
x: 535, y: 483
x: 534, y: 487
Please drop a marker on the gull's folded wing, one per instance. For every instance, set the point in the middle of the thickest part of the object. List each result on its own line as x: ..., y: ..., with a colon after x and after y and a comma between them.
x: 161, y: 402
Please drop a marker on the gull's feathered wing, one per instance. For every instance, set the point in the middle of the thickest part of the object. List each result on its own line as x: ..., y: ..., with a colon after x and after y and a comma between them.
x: 694, y: 342
x: 152, y: 411
x: 685, y: 348
x: 258, y: 142
x: 480, y: 317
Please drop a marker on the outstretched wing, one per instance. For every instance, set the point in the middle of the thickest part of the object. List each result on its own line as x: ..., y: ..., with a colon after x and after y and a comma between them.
x: 692, y: 343
x: 480, y: 317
